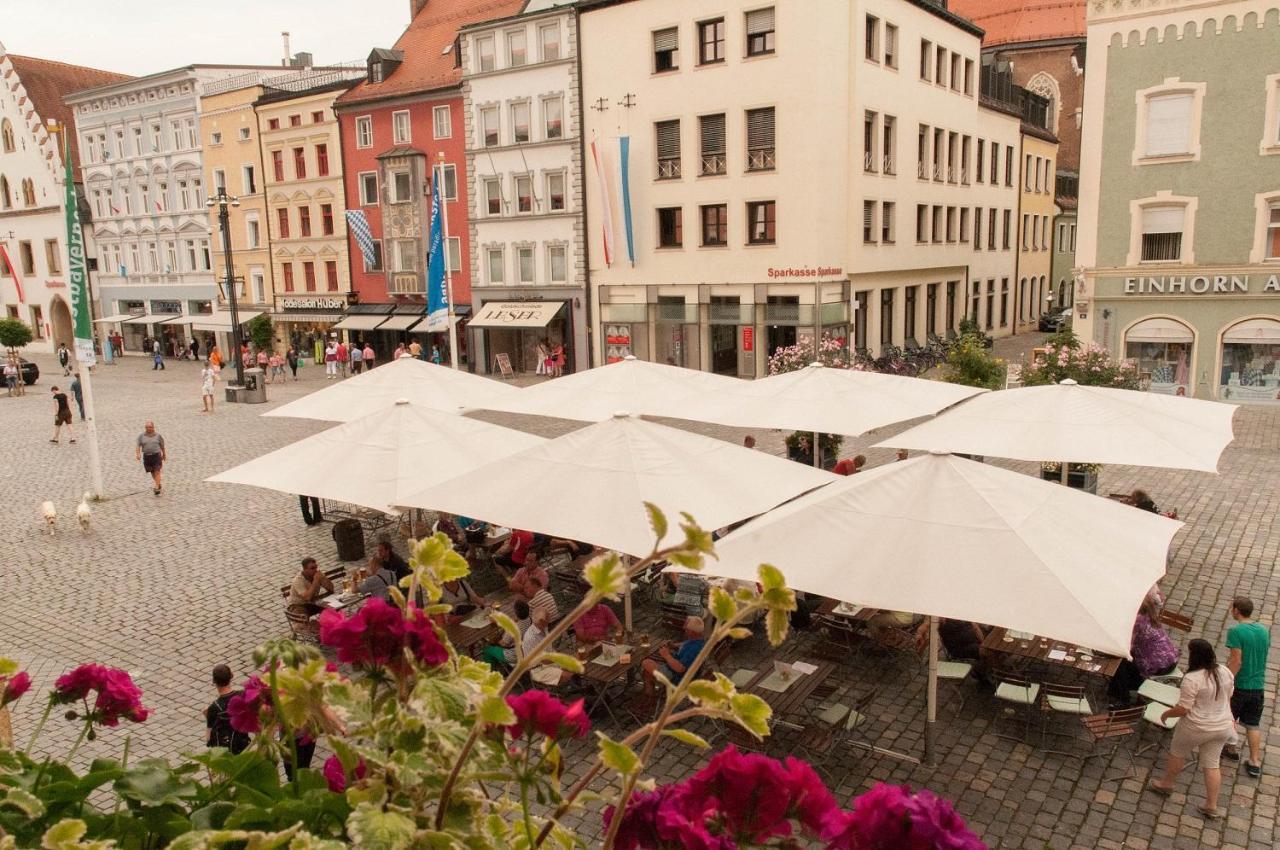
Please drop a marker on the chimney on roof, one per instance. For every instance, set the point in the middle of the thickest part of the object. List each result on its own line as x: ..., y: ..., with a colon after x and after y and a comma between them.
x: 285, y: 62
x: 415, y: 6
x: 302, y: 60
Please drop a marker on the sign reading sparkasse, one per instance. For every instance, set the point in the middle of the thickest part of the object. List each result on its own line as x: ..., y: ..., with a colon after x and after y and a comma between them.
x: 801, y: 272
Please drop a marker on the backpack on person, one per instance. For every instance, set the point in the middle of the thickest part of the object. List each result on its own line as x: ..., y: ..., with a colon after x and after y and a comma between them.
x: 221, y: 733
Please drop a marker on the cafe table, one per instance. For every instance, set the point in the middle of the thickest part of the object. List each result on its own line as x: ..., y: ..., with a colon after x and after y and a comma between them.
x: 476, y: 629
x: 1053, y: 653
x: 605, y: 675
x: 787, y: 695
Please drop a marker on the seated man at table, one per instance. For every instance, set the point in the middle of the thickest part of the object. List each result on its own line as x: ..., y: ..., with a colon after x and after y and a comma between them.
x: 598, y: 624
x: 395, y: 564
x: 674, y: 664
x: 884, y: 621
x: 962, y: 641
x: 380, y: 580
x: 512, y: 553
x: 575, y: 548
x: 306, y: 588
x: 502, y: 656
x: 461, y: 595
x: 544, y: 675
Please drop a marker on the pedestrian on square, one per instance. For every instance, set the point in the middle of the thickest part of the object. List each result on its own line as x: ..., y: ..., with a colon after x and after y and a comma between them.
x: 1204, y: 706
x: 208, y: 377
x: 369, y: 356
x: 215, y: 357
x: 1248, y: 642
x: 415, y: 349
x: 195, y: 348
x: 291, y: 359
x: 218, y: 720
x: 64, y: 359
x: 557, y: 360
x: 344, y: 357
x: 151, y: 451
x: 311, y: 510
x: 263, y: 362
x: 11, y: 374
x: 400, y: 352
x: 157, y: 356
x: 61, y: 415
x: 543, y: 355
x: 357, y: 357
x: 436, y: 357
x: 78, y: 393
x: 331, y: 360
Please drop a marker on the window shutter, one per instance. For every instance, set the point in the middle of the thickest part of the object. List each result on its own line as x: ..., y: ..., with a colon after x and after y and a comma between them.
x: 712, y: 133
x: 664, y: 40
x: 759, y: 128
x: 668, y: 140
x: 1169, y: 124
x: 1163, y: 219
x: 868, y: 213
x: 760, y: 21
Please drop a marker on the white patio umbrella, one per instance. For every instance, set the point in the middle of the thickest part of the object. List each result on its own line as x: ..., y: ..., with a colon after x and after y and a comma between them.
x: 424, y: 384
x: 591, y: 484
x: 944, y: 536
x: 376, y: 461
x: 637, y: 386
x: 1081, y: 424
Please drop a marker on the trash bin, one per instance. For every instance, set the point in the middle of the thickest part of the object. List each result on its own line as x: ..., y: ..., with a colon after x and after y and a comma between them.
x: 255, y: 387
x: 349, y: 536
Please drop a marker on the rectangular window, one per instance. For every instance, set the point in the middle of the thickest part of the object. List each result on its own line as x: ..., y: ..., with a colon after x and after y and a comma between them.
x: 252, y: 232
x: 995, y: 163
x: 1026, y: 227
x: 450, y: 187
x: 951, y: 224
x: 977, y: 228
x: 909, y: 303
x: 1008, y: 228
x: 317, y: 117
x: 890, y: 46
x: 760, y: 31
x: 668, y: 136
x: 517, y: 48
x: 926, y: 60
x: 406, y: 255
x: 712, y: 145
x: 922, y: 152
x: 940, y: 66
x: 1168, y: 124
x: 861, y: 302
x: 326, y: 219
x: 888, y: 222
x: 981, y: 159
x: 953, y: 157
x: 401, y: 188
x: 964, y: 225
x: 277, y: 165
x: 53, y: 257
x: 524, y: 194
x: 991, y: 229
x: 331, y: 275
x: 922, y: 223
x: 870, y: 138
x: 300, y: 163
x: 219, y: 184
x: 489, y: 125
x: 889, y: 146
x: 886, y: 316
x: 492, y: 196
x: 287, y: 269
x: 761, y: 222
x: 441, y: 123
x: 939, y: 154
x: 936, y: 232
x: 556, y: 191
x: 309, y: 276
x: 956, y: 74
x: 666, y: 50
x: 549, y: 41
x: 931, y: 311
x: 520, y: 122
x: 1272, y: 236
x: 1162, y: 229
x: 322, y: 160
x: 376, y: 264
x: 950, y: 306
x: 368, y: 188
x: 364, y: 131
x: 248, y: 180
x: 1004, y: 301
x: 400, y: 131
x: 871, y: 39
x: 715, y: 225
x: 1026, y: 177
x: 671, y: 227
x: 965, y: 143
x: 868, y: 222
x: 1008, y: 165
x: 968, y: 77
x: 553, y: 117
x: 496, y: 265
x: 282, y: 222
x: 295, y: 120
x: 558, y: 263
x: 214, y: 138
x: 485, y: 53
x: 524, y: 265
x: 711, y: 41
x: 274, y: 124
x: 991, y: 304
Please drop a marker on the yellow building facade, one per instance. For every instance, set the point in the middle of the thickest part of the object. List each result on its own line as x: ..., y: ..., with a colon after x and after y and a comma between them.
x: 1035, y: 227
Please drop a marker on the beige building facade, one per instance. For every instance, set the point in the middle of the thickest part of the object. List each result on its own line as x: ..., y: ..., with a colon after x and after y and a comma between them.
x: 1036, y: 290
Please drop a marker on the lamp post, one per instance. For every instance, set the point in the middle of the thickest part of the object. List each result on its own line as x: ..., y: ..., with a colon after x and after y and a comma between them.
x: 222, y: 200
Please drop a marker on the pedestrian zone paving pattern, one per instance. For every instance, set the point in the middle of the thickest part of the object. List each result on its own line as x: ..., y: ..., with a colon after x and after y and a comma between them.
x: 168, y: 586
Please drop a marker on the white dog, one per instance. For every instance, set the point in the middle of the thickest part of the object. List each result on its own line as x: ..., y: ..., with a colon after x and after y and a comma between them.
x: 83, y: 513
x: 50, y: 517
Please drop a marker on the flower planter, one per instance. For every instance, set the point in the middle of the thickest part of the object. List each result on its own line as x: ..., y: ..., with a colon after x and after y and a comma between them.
x: 1078, y: 479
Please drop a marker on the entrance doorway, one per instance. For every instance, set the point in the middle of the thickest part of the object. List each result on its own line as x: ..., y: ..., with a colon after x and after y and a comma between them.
x: 60, y: 321
x: 725, y: 316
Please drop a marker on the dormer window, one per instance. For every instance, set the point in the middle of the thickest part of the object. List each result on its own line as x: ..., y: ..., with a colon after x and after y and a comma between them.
x: 375, y: 72
x: 382, y: 64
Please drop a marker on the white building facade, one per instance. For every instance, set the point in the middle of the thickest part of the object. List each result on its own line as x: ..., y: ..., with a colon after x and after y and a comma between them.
x: 524, y: 158
x: 140, y: 154
x: 772, y: 198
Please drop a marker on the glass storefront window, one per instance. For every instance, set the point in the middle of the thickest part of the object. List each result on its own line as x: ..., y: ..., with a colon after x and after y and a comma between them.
x: 619, y: 342
x: 1165, y: 367
x: 1250, y: 371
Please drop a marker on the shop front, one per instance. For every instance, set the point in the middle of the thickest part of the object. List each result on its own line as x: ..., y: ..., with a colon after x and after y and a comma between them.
x: 360, y: 326
x: 1250, y: 362
x: 1162, y: 349
x: 305, y: 323
x: 510, y: 333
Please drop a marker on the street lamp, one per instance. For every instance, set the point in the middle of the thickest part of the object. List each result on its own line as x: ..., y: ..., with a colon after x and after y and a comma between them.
x: 222, y: 200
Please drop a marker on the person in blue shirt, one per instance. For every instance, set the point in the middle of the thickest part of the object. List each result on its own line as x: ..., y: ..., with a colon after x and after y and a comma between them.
x: 673, y: 664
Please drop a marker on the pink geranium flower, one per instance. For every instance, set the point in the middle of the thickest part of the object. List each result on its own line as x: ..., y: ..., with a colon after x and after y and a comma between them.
x: 117, y: 695
x: 244, y: 710
x: 337, y: 777
x: 379, y: 634
x: 539, y: 711
x: 15, y: 687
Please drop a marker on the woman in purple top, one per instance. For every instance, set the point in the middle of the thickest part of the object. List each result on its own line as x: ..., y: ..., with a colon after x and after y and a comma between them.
x: 1154, y: 654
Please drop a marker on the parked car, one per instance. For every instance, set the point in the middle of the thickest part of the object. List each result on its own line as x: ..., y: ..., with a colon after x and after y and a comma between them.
x: 1056, y: 320
x: 30, y: 371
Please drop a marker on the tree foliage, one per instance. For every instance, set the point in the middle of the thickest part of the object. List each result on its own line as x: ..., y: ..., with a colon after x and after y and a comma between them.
x: 14, y: 334
x: 259, y: 328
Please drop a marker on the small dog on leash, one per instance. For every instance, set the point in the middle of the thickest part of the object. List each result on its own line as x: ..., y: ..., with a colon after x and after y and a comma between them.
x: 83, y: 514
x: 50, y: 513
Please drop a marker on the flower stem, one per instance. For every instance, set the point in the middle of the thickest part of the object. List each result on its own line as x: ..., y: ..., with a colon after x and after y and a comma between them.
x: 84, y: 732
x: 48, y: 709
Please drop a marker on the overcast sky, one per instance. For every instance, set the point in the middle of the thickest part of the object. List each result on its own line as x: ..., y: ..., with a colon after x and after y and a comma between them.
x: 144, y: 36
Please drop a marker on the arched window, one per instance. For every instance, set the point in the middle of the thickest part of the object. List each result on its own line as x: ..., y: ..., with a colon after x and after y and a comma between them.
x: 6, y: 136
x: 1162, y: 348
x: 1250, y: 372
x: 6, y: 197
x: 1047, y: 87
x: 29, y: 192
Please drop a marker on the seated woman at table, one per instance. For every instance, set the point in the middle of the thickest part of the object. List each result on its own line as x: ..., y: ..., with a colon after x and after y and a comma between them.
x: 1154, y: 654
x: 461, y: 595
x: 503, y: 655
x: 598, y: 624
x: 675, y: 660
x: 546, y: 675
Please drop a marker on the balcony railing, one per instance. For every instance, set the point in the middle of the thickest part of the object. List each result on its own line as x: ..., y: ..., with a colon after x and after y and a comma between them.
x: 714, y: 163
x: 761, y: 159
x: 888, y: 165
x: 922, y: 170
x: 669, y: 169
x: 408, y: 283
x: 868, y: 161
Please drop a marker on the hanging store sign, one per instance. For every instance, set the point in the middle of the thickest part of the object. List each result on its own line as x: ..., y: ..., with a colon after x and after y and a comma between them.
x: 804, y: 272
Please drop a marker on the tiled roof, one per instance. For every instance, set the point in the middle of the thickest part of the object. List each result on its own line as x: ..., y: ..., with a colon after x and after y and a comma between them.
x: 426, y: 65
x: 1022, y: 21
x: 48, y: 82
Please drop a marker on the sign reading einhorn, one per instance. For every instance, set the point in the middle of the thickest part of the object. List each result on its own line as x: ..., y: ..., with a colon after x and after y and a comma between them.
x: 1199, y: 284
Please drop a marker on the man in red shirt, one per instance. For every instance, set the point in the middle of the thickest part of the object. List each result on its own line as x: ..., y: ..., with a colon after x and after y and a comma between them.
x: 597, y: 625
x: 343, y: 357
x: 512, y: 553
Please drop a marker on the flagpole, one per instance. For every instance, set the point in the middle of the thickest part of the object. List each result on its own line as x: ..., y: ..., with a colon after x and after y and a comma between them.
x: 448, y: 270
x: 77, y: 275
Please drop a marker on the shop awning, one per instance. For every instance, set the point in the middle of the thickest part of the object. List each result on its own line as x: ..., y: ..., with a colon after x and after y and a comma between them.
x: 219, y: 321
x: 1159, y: 330
x: 119, y: 317
x: 516, y: 314
x: 151, y: 319
x: 359, y: 322
x: 307, y: 318
x: 401, y: 323
x: 1254, y: 330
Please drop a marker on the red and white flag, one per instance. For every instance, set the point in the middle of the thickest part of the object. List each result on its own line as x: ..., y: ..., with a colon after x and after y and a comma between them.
x: 606, y: 205
x: 13, y: 272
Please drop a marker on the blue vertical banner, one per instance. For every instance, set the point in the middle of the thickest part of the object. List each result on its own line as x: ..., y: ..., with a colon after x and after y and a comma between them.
x: 437, y: 295
x: 624, y: 143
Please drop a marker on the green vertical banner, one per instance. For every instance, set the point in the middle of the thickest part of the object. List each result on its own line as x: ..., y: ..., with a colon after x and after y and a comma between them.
x: 78, y: 279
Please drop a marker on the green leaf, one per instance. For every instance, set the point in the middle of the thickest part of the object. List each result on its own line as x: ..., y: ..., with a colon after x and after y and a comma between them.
x: 752, y: 713
x: 707, y: 693
x: 657, y: 521
x: 617, y: 756
x: 777, y: 621
x: 24, y: 801
x: 212, y: 816
x: 153, y: 783
x: 373, y: 829
x: 722, y: 605
x: 688, y: 560
x: 565, y: 662
x: 771, y: 577
x: 606, y: 575
x: 505, y: 623
x: 8, y: 667
x: 494, y: 711
x: 739, y: 633
x: 684, y: 736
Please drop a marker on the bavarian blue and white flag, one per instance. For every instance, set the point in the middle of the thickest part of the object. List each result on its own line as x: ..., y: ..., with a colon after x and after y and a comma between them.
x: 437, y: 293
x: 359, y: 227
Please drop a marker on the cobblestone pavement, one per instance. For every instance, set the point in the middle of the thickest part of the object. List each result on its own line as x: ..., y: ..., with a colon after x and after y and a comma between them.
x: 166, y: 587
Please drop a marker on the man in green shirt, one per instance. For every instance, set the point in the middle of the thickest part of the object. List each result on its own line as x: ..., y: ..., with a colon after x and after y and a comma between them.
x: 1248, y: 641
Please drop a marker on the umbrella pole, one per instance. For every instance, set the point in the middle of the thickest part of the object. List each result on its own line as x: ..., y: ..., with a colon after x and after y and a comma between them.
x: 626, y: 597
x: 931, y: 715
x: 817, y: 452
x: 1066, y: 471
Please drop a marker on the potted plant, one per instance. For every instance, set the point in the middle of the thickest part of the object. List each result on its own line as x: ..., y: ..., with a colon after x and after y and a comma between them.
x: 1080, y: 476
